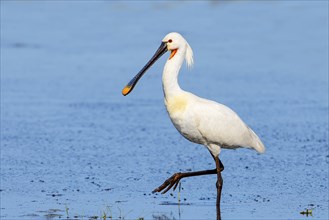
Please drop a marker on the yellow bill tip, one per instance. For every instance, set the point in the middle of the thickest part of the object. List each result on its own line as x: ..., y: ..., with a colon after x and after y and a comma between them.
x: 126, y: 90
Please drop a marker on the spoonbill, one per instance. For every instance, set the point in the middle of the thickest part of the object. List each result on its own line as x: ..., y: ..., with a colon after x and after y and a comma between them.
x: 199, y: 120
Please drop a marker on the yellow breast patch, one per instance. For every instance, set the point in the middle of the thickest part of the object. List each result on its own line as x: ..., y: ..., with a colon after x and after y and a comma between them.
x: 176, y: 104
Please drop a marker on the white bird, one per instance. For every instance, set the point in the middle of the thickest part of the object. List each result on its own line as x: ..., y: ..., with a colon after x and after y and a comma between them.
x: 199, y: 120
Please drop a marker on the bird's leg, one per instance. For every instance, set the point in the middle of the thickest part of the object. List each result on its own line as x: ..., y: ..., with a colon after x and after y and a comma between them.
x: 174, y: 179
x: 219, y: 184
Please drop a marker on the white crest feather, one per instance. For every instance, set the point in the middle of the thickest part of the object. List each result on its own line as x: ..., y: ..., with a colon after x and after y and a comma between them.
x: 189, y: 56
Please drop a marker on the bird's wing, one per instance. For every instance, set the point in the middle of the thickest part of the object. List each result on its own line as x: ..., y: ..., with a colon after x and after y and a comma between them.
x: 220, y: 125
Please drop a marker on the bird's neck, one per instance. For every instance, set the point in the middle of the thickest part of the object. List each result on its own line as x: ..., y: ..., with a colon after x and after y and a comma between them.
x: 170, y: 75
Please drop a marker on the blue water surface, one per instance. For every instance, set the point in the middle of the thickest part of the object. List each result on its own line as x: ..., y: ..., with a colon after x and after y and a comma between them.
x: 73, y: 146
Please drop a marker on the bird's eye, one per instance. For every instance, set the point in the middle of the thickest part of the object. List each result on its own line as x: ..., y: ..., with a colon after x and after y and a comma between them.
x: 170, y: 40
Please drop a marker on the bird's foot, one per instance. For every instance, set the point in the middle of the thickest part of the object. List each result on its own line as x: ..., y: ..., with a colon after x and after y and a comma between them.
x: 169, y: 183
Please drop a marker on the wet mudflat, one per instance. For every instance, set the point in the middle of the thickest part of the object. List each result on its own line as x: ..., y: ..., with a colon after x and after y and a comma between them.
x: 73, y: 146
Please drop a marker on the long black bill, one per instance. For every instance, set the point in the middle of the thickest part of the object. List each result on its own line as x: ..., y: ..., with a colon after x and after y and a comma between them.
x: 130, y: 86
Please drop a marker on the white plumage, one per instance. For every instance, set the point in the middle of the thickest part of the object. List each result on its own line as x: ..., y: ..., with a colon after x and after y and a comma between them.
x: 200, y: 120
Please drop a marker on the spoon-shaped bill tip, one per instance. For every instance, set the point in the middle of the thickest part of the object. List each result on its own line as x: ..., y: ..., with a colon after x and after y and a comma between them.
x: 126, y: 90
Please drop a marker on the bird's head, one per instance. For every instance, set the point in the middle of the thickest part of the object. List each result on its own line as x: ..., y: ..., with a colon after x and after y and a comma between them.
x: 172, y: 42
x: 175, y: 42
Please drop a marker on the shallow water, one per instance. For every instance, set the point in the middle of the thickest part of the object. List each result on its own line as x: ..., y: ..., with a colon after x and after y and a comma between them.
x: 73, y: 146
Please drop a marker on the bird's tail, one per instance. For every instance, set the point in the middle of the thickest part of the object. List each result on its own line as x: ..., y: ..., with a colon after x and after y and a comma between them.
x: 257, y: 143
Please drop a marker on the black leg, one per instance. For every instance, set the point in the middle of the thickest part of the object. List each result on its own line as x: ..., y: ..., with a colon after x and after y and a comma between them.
x: 174, y: 179
x: 219, y: 185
